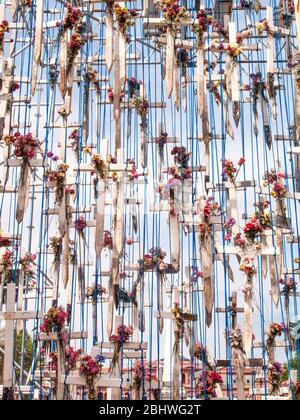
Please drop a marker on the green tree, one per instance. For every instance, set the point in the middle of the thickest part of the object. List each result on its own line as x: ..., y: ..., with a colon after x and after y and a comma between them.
x: 27, y: 353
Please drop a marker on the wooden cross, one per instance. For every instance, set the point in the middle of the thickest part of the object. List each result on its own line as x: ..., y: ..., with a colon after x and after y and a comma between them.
x: 44, y: 337
x: 129, y: 350
x: 10, y: 315
x: 160, y: 142
x: 233, y: 309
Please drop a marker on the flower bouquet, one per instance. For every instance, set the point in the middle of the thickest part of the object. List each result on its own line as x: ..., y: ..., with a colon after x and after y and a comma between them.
x: 107, y: 241
x: 122, y: 336
x: 101, y: 167
x: 6, y: 264
x: 230, y: 170
x: 201, y: 353
x: 90, y: 368
x: 93, y: 293
x: 73, y: 16
x: 123, y: 17
x: 207, y: 383
x: 25, y: 148
x: 211, y: 208
x: 248, y: 267
x: 57, y: 179
x: 203, y: 20
x: 274, y: 330
x: 142, y: 107
x: 76, y: 42
x: 72, y: 357
x: 274, y: 374
x: 142, y: 371
x: 26, y: 267
x: 172, y: 12
x: 253, y: 229
x: 154, y: 259
x: 275, y: 181
x: 4, y: 28
x: 55, y: 318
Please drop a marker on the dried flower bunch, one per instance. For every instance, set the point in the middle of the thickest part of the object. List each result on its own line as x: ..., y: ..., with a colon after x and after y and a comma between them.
x: 253, y: 229
x: 6, y: 264
x: 236, y: 339
x: 154, y: 259
x: 289, y: 285
x: 203, y: 20
x: 25, y: 146
x: 211, y: 208
x: 76, y: 42
x: 178, y: 325
x: 56, y: 178
x: 93, y: 292
x: 234, y: 49
x: 228, y: 225
x: 276, y: 182
x: 90, y: 368
x: 207, y: 383
x: 262, y: 26
x: 27, y: 267
x: 54, y: 318
x: 274, y: 330
x: 72, y: 357
x: 74, y: 137
x: 123, y: 17
x: 133, y: 87
x: 80, y: 224
x: 107, y: 241
x: 212, y: 86
x: 248, y: 267
x: 55, y: 244
x: 172, y: 12
x: 142, y: 371
x: 110, y: 94
x: 26, y: 3
x: 180, y: 171
x: 100, y: 165
x: 73, y: 16
x: 142, y: 107
x: 275, y: 372
x: 14, y: 86
x: 230, y: 170
x: 123, y: 334
x: 4, y: 28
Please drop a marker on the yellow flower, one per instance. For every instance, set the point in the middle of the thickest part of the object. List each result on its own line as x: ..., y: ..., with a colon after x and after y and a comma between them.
x: 7, y: 140
x: 61, y: 174
x: 87, y: 150
x: 273, y: 194
x: 260, y: 27
x: 96, y: 157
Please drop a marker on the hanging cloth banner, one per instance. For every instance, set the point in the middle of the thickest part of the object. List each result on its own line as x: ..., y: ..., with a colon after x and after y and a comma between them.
x: 207, y: 269
x: 117, y: 91
x: 248, y: 314
x: 23, y: 189
x: 109, y: 21
x: 63, y: 59
x: 38, y: 39
x: 170, y: 56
